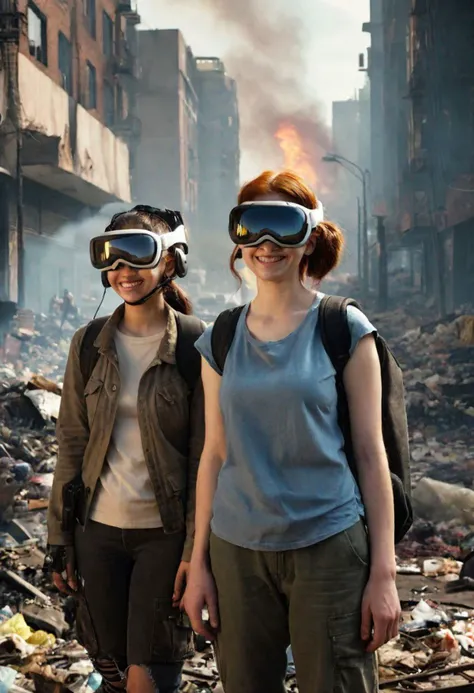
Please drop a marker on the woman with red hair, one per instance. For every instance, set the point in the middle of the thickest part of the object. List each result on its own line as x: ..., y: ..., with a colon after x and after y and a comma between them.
x: 289, y: 547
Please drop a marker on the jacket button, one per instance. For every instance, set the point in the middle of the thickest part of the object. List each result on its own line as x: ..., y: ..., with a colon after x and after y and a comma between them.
x: 114, y: 388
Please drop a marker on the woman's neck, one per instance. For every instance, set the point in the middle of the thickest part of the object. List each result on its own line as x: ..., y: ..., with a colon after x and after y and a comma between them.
x: 278, y: 299
x: 146, y: 320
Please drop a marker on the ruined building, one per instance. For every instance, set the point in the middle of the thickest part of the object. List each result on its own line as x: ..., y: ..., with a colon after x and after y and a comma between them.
x: 67, y: 131
x: 189, y: 152
x: 422, y: 87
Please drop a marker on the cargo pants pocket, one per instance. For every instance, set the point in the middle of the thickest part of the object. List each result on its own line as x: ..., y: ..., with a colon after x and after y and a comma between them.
x: 173, y: 638
x: 354, y: 668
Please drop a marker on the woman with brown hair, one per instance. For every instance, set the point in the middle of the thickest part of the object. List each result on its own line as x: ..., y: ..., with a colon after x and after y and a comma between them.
x: 130, y: 433
x: 283, y: 530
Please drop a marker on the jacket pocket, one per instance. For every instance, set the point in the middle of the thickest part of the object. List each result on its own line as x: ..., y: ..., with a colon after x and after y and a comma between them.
x: 172, y: 415
x: 92, y: 393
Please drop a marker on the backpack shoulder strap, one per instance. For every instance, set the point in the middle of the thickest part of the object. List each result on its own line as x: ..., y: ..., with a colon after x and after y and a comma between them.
x: 188, y: 359
x: 89, y: 354
x: 223, y: 333
x: 335, y: 333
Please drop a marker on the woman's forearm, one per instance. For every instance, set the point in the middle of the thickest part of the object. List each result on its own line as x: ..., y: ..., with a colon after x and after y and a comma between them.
x: 377, y: 495
x: 208, y: 473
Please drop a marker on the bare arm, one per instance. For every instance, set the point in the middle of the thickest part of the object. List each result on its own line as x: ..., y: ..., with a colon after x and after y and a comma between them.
x: 212, y: 458
x: 363, y: 385
x: 380, y: 603
x: 195, y: 451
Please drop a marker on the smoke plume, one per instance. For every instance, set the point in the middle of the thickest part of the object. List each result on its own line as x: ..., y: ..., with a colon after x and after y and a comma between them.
x: 267, y: 61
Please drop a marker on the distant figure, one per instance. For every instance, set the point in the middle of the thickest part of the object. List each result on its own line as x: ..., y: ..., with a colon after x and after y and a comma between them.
x: 7, y: 313
x: 69, y: 308
x: 54, y: 305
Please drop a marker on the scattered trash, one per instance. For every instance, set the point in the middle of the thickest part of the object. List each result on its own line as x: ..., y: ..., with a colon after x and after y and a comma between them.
x: 38, y: 650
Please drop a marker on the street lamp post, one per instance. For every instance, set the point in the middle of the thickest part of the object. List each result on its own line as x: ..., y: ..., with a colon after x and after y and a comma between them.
x: 361, y: 175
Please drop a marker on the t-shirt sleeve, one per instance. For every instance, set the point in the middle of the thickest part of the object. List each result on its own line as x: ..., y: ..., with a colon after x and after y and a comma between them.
x: 203, y: 345
x: 359, y: 326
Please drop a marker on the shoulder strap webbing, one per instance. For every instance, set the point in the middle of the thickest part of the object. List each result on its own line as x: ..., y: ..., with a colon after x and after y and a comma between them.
x: 188, y: 359
x: 335, y: 332
x: 89, y: 354
x: 223, y: 333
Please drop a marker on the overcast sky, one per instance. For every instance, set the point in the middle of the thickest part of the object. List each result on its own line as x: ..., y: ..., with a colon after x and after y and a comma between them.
x: 330, y: 44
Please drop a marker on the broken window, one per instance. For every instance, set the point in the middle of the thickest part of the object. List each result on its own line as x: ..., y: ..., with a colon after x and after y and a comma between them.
x: 107, y: 35
x: 65, y: 62
x: 37, y: 34
x: 92, y: 85
x: 90, y: 12
x: 109, y: 104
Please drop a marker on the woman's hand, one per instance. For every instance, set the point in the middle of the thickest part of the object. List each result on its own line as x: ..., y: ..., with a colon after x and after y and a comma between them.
x: 61, y: 560
x: 180, y: 583
x: 380, y: 611
x: 201, y: 593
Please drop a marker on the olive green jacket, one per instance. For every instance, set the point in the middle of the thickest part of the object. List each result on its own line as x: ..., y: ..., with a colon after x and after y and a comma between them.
x: 171, y: 420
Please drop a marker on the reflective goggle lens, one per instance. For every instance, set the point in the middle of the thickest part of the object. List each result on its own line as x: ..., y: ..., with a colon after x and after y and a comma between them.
x: 136, y: 249
x: 286, y: 224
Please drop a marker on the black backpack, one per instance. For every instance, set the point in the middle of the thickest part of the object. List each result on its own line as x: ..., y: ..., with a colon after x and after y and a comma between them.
x: 336, y: 339
x: 188, y: 359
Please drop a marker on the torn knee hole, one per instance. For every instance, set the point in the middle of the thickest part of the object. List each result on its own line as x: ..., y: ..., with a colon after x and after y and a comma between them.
x: 113, y: 679
x: 143, y: 668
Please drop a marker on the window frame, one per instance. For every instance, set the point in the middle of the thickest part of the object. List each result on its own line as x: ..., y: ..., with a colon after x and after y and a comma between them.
x: 43, y: 20
x: 68, y: 88
x: 91, y: 78
x: 90, y: 12
x: 108, y: 88
x: 107, y: 21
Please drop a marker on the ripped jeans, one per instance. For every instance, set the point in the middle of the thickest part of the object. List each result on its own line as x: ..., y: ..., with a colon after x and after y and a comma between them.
x: 128, y: 578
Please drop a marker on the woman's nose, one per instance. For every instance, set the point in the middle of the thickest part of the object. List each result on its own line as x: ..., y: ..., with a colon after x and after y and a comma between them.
x: 269, y: 246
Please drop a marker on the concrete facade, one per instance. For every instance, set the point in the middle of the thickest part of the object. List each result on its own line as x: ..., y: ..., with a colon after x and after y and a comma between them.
x: 219, y: 149
x: 166, y: 166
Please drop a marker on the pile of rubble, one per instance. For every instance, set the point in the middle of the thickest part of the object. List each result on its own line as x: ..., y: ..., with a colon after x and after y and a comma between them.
x: 38, y: 651
x: 438, y: 363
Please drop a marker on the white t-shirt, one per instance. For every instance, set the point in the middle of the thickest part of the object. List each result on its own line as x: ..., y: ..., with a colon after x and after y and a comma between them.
x: 125, y: 496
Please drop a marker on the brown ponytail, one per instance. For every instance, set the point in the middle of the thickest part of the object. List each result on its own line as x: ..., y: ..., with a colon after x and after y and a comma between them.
x: 326, y: 254
x: 177, y: 299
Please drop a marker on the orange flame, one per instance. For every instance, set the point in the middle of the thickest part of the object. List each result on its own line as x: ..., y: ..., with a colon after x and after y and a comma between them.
x: 296, y: 158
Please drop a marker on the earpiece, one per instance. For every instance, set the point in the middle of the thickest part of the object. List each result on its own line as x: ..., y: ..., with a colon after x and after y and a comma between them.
x: 180, y: 263
x: 238, y: 254
x: 105, y: 281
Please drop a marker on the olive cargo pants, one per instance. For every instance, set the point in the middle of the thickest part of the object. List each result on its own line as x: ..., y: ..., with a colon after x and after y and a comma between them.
x: 311, y: 597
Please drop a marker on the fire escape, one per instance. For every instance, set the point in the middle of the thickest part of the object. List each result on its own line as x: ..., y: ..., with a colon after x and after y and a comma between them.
x: 10, y: 23
x: 425, y: 165
x: 124, y: 69
x: 419, y: 164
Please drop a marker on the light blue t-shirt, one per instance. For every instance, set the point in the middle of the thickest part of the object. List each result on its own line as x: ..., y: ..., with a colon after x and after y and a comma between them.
x: 285, y: 483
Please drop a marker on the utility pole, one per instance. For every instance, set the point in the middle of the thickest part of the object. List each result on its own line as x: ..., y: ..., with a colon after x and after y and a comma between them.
x: 363, y: 176
x: 365, y: 239
x: 382, y: 298
x: 359, y: 241
x: 10, y: 31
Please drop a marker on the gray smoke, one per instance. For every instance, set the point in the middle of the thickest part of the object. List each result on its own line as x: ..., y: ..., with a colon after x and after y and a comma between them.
x: 267, y: 60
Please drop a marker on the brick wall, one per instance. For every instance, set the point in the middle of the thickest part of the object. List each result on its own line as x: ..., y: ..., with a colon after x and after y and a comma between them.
x: 70, y: 17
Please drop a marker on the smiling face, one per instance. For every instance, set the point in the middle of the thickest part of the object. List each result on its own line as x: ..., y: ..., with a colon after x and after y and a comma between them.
x: 132, y: 284
x: 270, y: 262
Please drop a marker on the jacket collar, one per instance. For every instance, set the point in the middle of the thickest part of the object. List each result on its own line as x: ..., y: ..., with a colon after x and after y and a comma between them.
x: 105, y: 340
